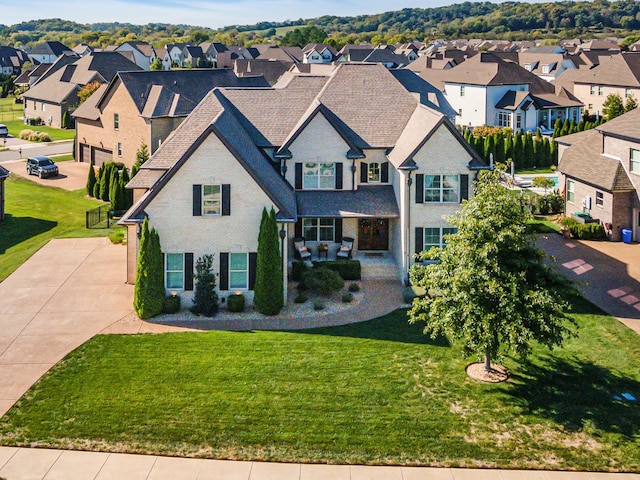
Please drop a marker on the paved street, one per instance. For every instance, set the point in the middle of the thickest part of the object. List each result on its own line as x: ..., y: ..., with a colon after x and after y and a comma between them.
x: 21, y: 149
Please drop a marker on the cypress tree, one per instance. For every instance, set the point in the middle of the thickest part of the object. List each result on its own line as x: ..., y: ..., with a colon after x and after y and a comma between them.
x: 557, y: 127
x: 508, y: 147
x: 489, y: 148
x: 529, y: 159
x: 96, y: 189
x: 142, y: 155
x: 91, y: 180
x: 499, y: 143
x: 268, y: 292
x: 148, y: 292
x: 518, y: 151
x: 565, y: 128
x: 546, y: 150
x: 114, y: 180
x: 134, y: 170
x: 105, y: 181
x: 554, y: 153
x: 205, y: 298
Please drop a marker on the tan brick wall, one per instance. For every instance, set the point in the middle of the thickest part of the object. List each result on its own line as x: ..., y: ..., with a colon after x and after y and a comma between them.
x: 583, y: 92
x: 51, y: 112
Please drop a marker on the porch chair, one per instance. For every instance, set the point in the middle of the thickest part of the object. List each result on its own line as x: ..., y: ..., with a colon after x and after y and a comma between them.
x: 344, y: 252
x: 301, y: 250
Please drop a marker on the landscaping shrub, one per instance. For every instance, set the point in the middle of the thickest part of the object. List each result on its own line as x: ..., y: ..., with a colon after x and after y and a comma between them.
x: 318, y: 305
x: 354, y: 287
x: 322, y: 280
x: 32, y: 136
x: 300, y: 298
x: 297, y: 270
x: 268, y: 292
x: 584, y: 231
x: 205, y: 298
x: 148, y: 293
x: 347, y: 297
x: 550, y: 203
x: 117, y: 236
x: 235, y: 303
x: 171, y: 304
x: 347, y: 269
x: 91, y: 180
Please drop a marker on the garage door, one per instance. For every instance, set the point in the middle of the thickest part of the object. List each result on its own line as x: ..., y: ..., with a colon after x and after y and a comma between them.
x: 100, y: 156
x: 85, y: 153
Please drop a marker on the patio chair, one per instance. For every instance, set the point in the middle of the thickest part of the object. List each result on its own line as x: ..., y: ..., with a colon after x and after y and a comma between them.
x: 344, y: 252
x: 301, y: 250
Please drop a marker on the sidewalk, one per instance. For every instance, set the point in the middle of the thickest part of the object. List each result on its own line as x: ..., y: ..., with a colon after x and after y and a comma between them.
x: 44, y: 464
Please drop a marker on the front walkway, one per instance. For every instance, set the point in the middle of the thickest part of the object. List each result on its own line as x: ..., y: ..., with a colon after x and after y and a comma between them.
x: 44, y: 464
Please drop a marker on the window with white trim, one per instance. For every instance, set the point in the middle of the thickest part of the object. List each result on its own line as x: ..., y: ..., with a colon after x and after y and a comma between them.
x: 374, y: 172
x: 319, y: 229
x: 462, y: 90
x: 238, y: 271
x: 592, y: 90
x: 119, y: 149
x: 545, y: 68
x: 174, y: 271
x: 211, y: 200
x: 627, y: 92
x: 319, y: 176
x: 435, y: 236
x: 116, y: 121
x: 518, y: 121
x: 571, y: 191
x: 599, y: 198
x: 600, y: 90
x: 634, y: 164
x: 441, y: 189
x: 504, y: 119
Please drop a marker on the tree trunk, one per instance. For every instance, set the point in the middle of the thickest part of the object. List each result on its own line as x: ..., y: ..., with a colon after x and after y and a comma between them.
x: 487, y: 360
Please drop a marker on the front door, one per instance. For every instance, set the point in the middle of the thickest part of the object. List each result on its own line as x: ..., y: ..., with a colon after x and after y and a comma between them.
x: 373, y: 234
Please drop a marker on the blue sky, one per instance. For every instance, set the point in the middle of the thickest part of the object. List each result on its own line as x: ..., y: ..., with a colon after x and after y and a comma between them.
x: 206, y: 13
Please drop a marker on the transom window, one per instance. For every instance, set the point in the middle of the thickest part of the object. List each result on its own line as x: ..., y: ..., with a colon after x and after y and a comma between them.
x: 435, y: 237
x: 174, y: 271
x: 635, y: 161
x: 319, y: 176
x: 238, y: 271
x: 504, y: 119
x: 374, y: 172
x: 318, y: 229
x: 571, y: 191
x: 211, y: 200
x: 442, y: 188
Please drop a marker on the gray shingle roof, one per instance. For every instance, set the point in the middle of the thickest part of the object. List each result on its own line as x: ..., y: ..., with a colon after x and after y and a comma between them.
x: 88, y: 109
x: 430, y: 96
x: 49, y: 48
x: 584, y: 161
x: 368, y: 201
x: 4, y: 173
x: 626, y: 126
x: 621, y: 70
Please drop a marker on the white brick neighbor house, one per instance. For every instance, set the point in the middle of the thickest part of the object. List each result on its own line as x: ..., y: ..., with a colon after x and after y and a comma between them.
x: 348, y: 154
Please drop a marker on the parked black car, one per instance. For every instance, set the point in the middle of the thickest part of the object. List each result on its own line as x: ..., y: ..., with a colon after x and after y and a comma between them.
x: 41, y: 166
x: 4, y: 131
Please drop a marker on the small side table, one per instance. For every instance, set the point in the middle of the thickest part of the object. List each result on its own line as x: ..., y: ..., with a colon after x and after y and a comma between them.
x: 323, y: 248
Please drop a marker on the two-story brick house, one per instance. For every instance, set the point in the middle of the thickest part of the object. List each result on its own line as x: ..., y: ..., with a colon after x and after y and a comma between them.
x: 348, y: 154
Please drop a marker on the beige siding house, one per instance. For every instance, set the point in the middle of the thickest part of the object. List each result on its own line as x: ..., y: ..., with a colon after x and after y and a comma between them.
x: 348, y: 154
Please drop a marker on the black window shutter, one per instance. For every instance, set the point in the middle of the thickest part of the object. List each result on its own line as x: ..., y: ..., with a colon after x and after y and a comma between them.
x: 164, y: 270
x: 197, y: 200
x: 298, y: 185
x: 339, y: 168
x: 298, y: 229
x: 253, y: 264
x: 384, y: 172
x: 419, y: 239
x: 226, y: 199
x: 188, y: 271
x: 338, y: 232
x: 464, y: 187
x: 364, y: 172
x: 224, y: 271
x: 420, y: 188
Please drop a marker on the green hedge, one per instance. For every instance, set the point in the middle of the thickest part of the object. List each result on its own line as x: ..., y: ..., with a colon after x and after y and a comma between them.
x: 297, y: 270
x: 235, y: 303
x: 584, y: 231
x: 347, y: 269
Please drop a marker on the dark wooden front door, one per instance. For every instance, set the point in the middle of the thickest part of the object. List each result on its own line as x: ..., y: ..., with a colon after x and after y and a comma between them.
x: 373, y: 234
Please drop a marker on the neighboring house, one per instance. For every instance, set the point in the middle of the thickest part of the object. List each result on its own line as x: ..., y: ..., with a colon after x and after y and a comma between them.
x: 547, y: 66
x: 272, y: 70
x: 27, y: 79
x: 11, y: 60
x: 600, y: 173
x: 48, y: 52
x: 192, y: 57
x: 143, y: 53
x: 385, y: 56
x: 227, y: 58
x: 57, y: 93
x: 619, y: 74
x: 4, y: 174
x: 486, y: 90
x: 352, y: 154
x: 211, y: 50
x: 319, y: 53
x: 172, y: 55
x: 82, y: 49
x: 282, y: 54
x: 143, y: 107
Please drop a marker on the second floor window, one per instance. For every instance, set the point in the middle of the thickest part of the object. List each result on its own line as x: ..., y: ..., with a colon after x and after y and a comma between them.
x: 442, y: 189
x: 116, y: 121
x: 571, y: 191
x: 634, y: 165
x: 374, y: 172
x: 627, y: 92
x: 592, y: 90
x: 462, y: 90
x: 211, y: 200
x: 600, y: 91
x: 319, y: 176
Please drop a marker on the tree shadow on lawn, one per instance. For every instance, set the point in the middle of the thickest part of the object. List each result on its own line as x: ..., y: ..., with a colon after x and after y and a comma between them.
x: 18, y: 229
x: 393, y: 327
x: 577, y: 394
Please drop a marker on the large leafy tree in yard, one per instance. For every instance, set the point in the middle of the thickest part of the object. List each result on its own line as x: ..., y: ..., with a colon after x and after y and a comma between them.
x: 612, y: 106
x: 148, y: 293
x: 268, y: 291
x: 491, y: 287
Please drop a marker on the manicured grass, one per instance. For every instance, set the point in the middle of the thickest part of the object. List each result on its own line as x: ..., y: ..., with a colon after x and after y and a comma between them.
x: 377, y: 392
x: 34, y: 215
x: 534, y: 171
x: 11, y: 115
x: 62, y: 158
x: 543, y: 224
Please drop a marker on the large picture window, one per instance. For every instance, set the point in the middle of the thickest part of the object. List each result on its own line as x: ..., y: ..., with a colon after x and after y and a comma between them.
x: 319, y: 176
x: 174, y: 271
x: 435, y: 236
x: 504, y: 119
x: 442, y: 189
x: 238, y: 271
x: 318, y: 229
x: 211, y: 200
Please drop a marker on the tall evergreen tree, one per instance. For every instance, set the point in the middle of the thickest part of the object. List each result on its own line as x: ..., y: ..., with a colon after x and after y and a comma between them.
x: 105, y: 181
x: 508, y: 147
x: 205, y: 298
x: 546, y: 153
x: 518, y: 151
x: 630, y: 104
x: 268, y: 292
x: 556, y: 128
x: 554, y: 153
x: 489, y: 148
x: 91, y: 180
x: 565, y: 128
x: 529, y: 158
x: 148, y: 292
x: 499, y: 143
x: 142, y: 155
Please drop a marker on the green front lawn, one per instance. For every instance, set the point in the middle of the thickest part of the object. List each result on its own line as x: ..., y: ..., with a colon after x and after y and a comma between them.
x: 11, y: 115
x: 34, y: 215
x: 376, y: 392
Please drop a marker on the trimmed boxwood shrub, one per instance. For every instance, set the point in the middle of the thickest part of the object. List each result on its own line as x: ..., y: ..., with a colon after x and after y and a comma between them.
x: 584, y: 231
x: 347, y: 297
x: 347, y: 269
x: 235, y: 303
x: 300, y: 298
x: 171, y: 304
x: 354, y: 287
x: 318, y: 305
x: 322, y: 280
x: 297, y: 270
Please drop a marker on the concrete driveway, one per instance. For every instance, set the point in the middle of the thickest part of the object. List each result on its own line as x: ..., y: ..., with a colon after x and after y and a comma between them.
x: 72, y: 175
x: 608, y: 272
x: 66, y: 293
